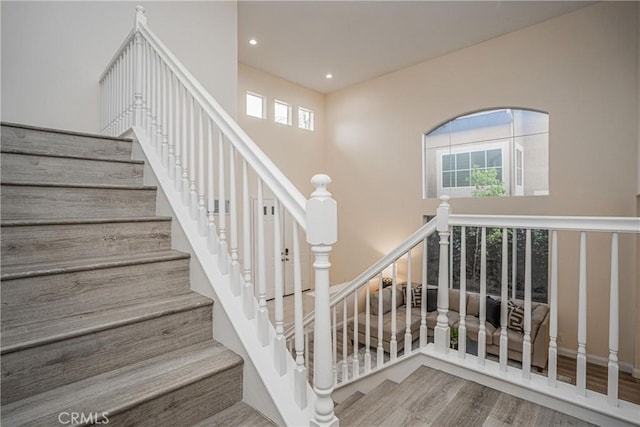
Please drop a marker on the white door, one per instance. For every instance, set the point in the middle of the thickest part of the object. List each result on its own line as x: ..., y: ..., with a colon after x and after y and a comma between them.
x: 286, y: 255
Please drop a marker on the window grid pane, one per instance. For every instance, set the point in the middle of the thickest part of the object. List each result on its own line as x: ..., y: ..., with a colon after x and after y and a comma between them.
x: 305, y: 118
x: 282, y: 112
x: 255, y: 105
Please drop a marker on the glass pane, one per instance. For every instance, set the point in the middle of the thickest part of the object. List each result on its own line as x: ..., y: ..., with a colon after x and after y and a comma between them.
x: 254, y: 105
x: 477, y: 158
x: 463, y: 178
x: 447, y: 162
x: 447, y: 179
x: 494, y: 157
x: 462, y: 161
x: 498, y: 173
x: 281, y: 112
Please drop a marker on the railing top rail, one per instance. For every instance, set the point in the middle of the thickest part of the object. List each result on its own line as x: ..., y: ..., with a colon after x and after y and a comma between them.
x: 419, y: 235
x: 568, y: 223
x: 292, y: 199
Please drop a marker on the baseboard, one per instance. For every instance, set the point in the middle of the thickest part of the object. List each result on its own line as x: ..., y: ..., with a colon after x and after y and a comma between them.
x: 599, y: 360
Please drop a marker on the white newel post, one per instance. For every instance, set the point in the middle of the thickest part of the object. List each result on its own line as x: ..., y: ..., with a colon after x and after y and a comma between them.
x: 138, y: 108
x: 322, y: 230
x: 442, y: 331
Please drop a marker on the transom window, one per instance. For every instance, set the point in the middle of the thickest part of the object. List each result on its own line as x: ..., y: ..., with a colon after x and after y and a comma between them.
x: 255, y: 105
x: 305, y: 118
x: 500, y: 152
x: 282, y: 112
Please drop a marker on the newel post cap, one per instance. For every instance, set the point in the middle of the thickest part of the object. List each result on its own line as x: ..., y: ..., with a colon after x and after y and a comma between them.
x: 141, y: 18
x: 442, y: 214
x: 322, y: 214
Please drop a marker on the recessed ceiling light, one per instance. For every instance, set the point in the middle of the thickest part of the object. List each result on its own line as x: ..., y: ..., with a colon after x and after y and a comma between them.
x: 329, y: 76
x: 253, y: 42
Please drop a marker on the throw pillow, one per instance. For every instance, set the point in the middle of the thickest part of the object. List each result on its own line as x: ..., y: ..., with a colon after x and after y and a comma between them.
x: 493, y: 312
x: 515, y: 317
x: 415, y: 297
x: 387, y: 281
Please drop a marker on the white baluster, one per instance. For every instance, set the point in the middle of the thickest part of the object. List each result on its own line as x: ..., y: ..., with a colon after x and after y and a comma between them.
x: 408, y: 303
x: 441, y: 331
x: 322, y: 230
x: 140, y: 112
x: 526, y: 339
x: 193, y: 194
x: 158, y: 89
x: 423, y: 305
x: 482, y: 332
x: 306, y: 356
x: 223, y: 260
x: 345, y: 335
x: 130, y: 83
x: 185, y: 149
x: 514, y: 263
x: 581, y: 357
x: 213, y: 233
x: 171, y: 160
x: 233, y: 222
x: 263, y: 313
x: 504, y: 297
x: 126, y: 69
x: 367, y: 339
x: 300, y: 372
x: 553, y: 315
x: 380, y: 348
x: 462, y: 325
x: 177, y: 185
x: 356, y: 361
x: 118, y: 80
x: 334, y: 341
x: 148, y: 90
x: 613, y: 369
x: 247, y: 292
x: 165, y: 114
x: 393, y: 342
x: 202, y: 209
x: 278, y: 341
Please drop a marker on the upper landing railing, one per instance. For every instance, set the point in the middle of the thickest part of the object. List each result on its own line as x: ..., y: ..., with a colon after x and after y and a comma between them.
x: 207, y: 156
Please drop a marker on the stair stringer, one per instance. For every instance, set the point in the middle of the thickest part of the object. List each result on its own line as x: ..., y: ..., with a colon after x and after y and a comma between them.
x: 263, y: 388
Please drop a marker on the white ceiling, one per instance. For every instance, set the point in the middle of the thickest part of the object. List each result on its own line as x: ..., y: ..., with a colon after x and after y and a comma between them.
x: 301, y: 41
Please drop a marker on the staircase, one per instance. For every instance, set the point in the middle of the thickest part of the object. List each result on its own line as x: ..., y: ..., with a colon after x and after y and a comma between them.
x: 98, y: 322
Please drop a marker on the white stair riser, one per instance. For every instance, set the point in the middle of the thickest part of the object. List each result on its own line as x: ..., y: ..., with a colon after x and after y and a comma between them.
x: 38, y: 369
x: 39, y: 243
x: 65, y: 170
x: 49, y: 297
x: 33, y: 202
x: 42, y: 142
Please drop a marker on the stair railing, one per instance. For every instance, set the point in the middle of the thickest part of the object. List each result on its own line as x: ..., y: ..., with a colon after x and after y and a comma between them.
x: 147, y: 89
x: 354, y: 322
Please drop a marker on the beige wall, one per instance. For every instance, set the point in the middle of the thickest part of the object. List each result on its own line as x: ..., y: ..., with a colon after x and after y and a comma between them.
x: 54, y: 52
x: 581, y: 68
x: 300, y: 153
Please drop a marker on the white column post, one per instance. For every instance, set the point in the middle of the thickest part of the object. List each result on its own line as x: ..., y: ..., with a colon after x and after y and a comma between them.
x: 504, y: 297
x: 423, y: 305
x: 300, y: 373
x: 553, y: 313
x: 322, y: 230
x: 482, y: 315
x: 581, y: 357
x: 247, y: 289
x: 526, y: 338
x: 442, y: 331
x: 223, y: 256
x: 462, y: 326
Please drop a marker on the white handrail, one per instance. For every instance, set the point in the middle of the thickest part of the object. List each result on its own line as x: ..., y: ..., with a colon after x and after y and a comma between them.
x: 282, y: 188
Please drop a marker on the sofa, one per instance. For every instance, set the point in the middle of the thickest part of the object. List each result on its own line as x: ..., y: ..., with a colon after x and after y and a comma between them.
x: 515, y: 335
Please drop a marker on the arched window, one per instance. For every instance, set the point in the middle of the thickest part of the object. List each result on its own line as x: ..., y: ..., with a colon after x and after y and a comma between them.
x: 490, y: 153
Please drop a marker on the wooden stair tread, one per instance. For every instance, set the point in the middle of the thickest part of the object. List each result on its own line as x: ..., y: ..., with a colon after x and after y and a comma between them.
x: 126, y: 387
x: 69, y: 156
x: 67, y: 221
x: 237, y: 415
x: 65, y: 132
x: 79, y: 185
x: 342, y: 406
x: 35, y: 334
x: 68, y: 266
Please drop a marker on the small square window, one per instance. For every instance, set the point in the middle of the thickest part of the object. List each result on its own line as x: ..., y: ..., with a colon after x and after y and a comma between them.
x: 255, y: 105
x: 282, y: 112
x: 305, y: 118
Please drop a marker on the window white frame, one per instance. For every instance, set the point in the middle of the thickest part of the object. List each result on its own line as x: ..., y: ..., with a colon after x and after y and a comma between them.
x: 252, y: 108
x: 305, y: 118
x: 282, y: 112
